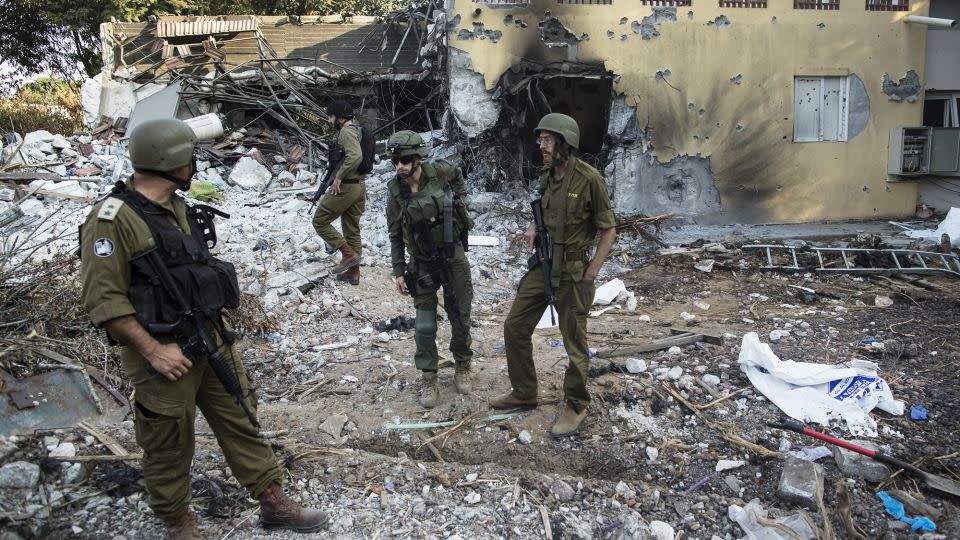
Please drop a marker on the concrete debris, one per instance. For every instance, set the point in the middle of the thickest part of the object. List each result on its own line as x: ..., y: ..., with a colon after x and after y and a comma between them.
x: 333, y: 425
x: 800, y: 482
x: 856, y: 465
x: 562, y: 491
x: 727, y: 464
x: 248, y: 173
x: 19, y: 475
x: 524, y: 437
x: 661, y: 530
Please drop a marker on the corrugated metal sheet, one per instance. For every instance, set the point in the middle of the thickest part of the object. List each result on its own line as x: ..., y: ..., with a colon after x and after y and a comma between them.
x: 177, y: 26
x: 315, y: 42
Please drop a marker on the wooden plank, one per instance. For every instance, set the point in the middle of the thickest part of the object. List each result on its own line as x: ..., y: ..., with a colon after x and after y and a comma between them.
x: 711, y: 338
x: 658, y: 345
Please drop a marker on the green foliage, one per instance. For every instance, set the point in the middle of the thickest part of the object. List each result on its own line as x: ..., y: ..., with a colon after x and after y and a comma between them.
x: 61, y: 36
x: 202, y: 190
x: 47, y: 103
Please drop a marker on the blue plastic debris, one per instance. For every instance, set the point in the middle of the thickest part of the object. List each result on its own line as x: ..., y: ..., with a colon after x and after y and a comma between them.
x: 498, y: 347
x: 918, y: 412
x: 895, y: 509
x: 554, y: 343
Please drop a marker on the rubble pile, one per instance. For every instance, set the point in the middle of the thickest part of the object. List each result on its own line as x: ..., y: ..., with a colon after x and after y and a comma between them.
x: 676, y: 443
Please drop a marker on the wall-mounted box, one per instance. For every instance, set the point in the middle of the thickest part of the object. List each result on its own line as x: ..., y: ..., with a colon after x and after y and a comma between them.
x: 919, y: 151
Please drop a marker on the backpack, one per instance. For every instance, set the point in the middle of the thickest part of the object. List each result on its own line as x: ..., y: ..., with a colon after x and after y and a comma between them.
x: 368, y: 149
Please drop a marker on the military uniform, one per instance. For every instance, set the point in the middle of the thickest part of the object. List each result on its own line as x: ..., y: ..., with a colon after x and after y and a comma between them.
x: 575, y: 208
x: 349, y: 204
x: 111, y: 238
x: 403, y: 208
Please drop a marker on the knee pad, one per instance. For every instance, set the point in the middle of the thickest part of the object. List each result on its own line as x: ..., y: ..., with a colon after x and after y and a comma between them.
x: 426, y: 322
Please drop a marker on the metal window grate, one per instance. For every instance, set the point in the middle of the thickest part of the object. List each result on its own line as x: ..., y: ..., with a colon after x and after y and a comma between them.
x: 888, y: 5
x: 817, y: 4
x: 666, y: 2
x: 600, y: 2
x: 743, y: 3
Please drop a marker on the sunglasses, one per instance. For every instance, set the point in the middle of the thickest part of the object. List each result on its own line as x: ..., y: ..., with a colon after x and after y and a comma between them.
x: 406, y: 160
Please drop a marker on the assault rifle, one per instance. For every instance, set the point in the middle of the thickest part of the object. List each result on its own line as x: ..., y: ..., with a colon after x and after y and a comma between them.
x: 439, y: 273
x: 543, y: 255
x: 335, y: 157
x: 192, y: 334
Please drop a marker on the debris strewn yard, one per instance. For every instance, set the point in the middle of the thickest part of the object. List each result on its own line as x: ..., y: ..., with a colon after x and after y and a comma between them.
x: 676, y: 444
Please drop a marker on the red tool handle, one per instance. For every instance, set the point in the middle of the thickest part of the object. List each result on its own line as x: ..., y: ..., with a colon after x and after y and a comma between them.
x: 793, y: 425
x: 839, y: 442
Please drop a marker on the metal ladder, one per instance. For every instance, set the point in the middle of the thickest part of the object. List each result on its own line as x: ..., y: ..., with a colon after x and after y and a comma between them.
x: 906, y: 261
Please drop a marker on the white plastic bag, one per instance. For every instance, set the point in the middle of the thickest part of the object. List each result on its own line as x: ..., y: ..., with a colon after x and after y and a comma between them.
x: 817, y: 392
x: 949, y: 225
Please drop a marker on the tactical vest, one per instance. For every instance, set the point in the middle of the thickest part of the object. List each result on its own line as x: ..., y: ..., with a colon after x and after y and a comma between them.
x: 427, y: 211
x: 207, y: 283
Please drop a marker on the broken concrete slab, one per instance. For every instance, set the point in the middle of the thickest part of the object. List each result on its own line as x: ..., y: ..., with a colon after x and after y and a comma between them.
x: 472, y: 106
x: 800, y: 482
x: 19, y: 475
x: 333, y: 425
x: 248, y: 173
x: 857, y: 465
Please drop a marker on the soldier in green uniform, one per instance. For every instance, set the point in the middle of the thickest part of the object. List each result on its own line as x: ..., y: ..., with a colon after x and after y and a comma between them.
x: 428, y: 216
x: 576, y: 208
x: 346, y: 198
x: 120, y: 241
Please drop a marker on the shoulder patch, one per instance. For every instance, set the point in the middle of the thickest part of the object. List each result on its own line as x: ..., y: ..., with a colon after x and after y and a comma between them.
x: 103, y: 247
x: 109, y: 208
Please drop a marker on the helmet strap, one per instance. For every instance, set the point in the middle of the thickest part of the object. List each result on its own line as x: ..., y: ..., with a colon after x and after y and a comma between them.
x: 183, y: 185
x: 413, y: 169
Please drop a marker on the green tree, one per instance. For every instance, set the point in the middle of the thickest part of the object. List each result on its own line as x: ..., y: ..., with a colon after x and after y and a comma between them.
x: 64, y: 35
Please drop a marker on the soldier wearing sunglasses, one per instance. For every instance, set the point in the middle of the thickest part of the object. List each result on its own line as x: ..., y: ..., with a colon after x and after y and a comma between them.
x: 428, y: 220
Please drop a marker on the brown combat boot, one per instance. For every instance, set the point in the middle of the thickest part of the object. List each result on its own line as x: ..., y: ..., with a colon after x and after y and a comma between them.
x: 351, y: 276
x: 569, y: 421
x: 347, y: 261
x: 183, y: 527
x: 277, y: 511
x: 429, y: 394
x: 461, y: 379
x: 512, y: 400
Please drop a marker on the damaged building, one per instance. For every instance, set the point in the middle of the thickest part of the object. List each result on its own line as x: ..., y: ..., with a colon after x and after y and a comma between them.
x: 722, y: 111
x: 718, y: 111
x: 273, y: 74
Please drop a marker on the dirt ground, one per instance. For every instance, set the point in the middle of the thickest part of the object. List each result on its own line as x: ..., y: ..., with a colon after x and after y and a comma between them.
x: 640, y: 451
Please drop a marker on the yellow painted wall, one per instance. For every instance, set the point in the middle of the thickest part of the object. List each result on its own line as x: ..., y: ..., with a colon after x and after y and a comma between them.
x: 760, y: 172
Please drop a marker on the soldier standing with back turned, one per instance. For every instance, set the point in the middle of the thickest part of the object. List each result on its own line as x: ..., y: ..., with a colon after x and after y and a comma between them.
x: 427, y: 216
x: 144, y: 254
x: 575, y: 209
x: 347, y: 197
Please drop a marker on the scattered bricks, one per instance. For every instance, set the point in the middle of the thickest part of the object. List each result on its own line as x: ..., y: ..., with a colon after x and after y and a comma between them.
x: 857, y: 465
x: 800, y: 482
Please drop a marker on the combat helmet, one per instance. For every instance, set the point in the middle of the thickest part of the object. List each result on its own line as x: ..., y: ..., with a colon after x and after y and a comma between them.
x: 161, y: 145
x: 340, y: 109
x: 563, y: 125
x: 406, y: 143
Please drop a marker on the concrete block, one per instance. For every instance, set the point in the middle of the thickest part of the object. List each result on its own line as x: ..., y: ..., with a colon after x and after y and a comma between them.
x: 857, y: 465
x: 248, y: 173
x: 800, y: 482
